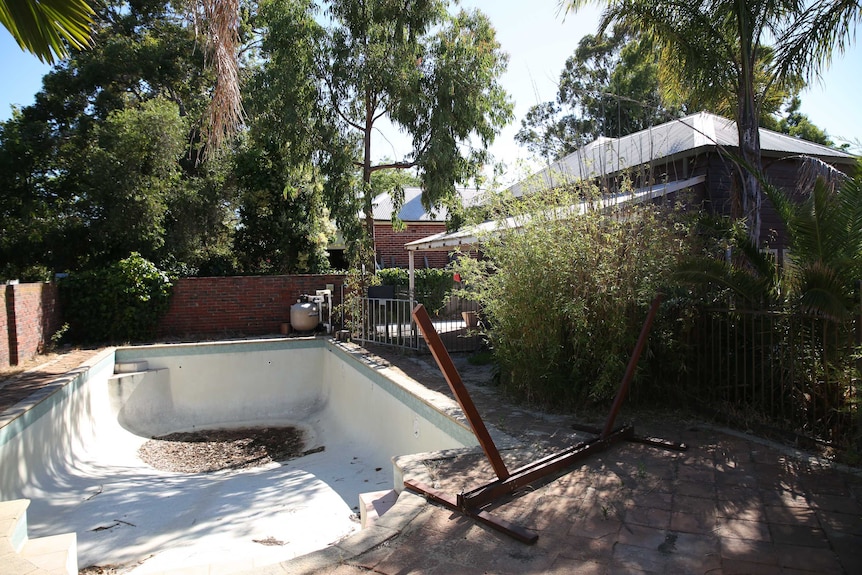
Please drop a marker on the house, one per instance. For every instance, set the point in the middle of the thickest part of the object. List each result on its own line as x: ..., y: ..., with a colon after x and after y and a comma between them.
x: 418, y: 223
x: 695, y: 153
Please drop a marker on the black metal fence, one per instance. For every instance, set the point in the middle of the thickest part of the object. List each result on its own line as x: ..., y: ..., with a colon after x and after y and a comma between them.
x: 389, y: 321
x: 789, y: 371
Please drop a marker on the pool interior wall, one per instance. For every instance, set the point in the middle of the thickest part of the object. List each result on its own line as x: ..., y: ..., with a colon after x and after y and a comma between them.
x: 74, y: 454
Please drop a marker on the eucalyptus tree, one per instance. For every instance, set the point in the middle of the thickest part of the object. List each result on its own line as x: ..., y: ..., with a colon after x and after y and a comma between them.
x: 721, y: 47
x: 429, y: 74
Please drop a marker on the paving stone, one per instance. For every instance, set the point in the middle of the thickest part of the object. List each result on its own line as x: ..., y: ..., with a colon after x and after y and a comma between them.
x: 640, y: 536
x: 785, y: 498
x: 587, y: 548
x: 693, y: 522
x: 567, y: 566
x: 705, y: 489
x: 688, y: 504
x: 844, y: 523
x: 658, y: 518
x: 808, y: 558
x: 791, y: 515
x: 749, y: 510
x: 741, y: 529
x: 634, y: 557
x: 653, y: 500
x: 748, y: 550
x: 848, y: 549
x: 734, y: 567
x: 835, y: 503
x: 802, y: 535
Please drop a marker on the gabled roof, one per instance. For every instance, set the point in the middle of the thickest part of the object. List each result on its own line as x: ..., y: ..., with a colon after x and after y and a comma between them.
x: 413, y: 211
x: 676, y: 139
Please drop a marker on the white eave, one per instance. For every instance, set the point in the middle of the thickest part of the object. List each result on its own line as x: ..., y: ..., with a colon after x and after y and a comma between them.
x: 448, y: 241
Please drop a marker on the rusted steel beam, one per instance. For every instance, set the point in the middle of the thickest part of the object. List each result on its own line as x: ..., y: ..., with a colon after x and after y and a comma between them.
x: 453, y: 378
x: 497, y: 523
x: 623, y: 391
x: 540, y: 469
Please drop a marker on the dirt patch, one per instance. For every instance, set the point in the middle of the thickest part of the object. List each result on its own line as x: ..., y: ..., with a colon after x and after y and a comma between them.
x: 219, y: 449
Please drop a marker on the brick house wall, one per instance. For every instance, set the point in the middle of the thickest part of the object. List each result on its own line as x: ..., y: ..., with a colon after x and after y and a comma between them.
x: 237, y: 306
x: 389, y: 244
x: 30, y: 316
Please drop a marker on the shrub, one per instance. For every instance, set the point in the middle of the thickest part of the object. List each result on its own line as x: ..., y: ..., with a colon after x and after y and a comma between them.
x: 433, y: 286
x: 120, y: 303
x: 565, y: 293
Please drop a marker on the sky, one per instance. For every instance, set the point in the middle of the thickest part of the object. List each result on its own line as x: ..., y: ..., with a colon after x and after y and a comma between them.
x: 538, y: 40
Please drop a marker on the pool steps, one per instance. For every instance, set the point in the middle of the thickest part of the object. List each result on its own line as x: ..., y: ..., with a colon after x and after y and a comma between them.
x: 122, y: 384
x: 20, y: 555
x: 374, y: 504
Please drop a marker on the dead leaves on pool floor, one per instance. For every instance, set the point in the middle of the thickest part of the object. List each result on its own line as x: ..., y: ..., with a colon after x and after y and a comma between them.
x: 220, y: 449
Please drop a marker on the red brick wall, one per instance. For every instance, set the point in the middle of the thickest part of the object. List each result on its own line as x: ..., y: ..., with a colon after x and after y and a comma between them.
x: 243, y: 305
x: 389, y: 245
x: 4, y: 330
x: 30, y: 316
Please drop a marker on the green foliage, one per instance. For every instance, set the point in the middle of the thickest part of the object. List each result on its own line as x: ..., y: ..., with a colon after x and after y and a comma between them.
x: 609, y: 87
x: 356, y: 285
x: 119, y: 303
x: 566, y: 293
x: 432, y: 286
x: 432, y: 75
x: 104, y: 162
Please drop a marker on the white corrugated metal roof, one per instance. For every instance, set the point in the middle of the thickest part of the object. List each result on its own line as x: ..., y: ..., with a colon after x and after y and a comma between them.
x: 470, y: 236
x: 413, y: 211
x: 684, y: 136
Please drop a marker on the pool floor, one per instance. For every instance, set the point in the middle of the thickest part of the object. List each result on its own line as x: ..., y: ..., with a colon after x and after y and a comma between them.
x: 126, y: 513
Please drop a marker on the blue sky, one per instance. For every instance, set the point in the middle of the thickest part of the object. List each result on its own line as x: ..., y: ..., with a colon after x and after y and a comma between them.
x: 538, y: 41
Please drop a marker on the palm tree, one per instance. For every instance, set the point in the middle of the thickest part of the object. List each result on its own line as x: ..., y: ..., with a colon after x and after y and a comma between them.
x: 717, y: 45
x: 46, y: 28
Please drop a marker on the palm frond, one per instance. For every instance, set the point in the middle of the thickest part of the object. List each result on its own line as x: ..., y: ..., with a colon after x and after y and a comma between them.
x: 47, y: 28
x: 824, y: 292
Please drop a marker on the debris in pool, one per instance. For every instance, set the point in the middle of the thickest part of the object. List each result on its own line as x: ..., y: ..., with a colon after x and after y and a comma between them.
x: 212, y: 450
x: 377, y: 468
x: 117, y: 523
x: 98, y: 491
x: 270, y: 541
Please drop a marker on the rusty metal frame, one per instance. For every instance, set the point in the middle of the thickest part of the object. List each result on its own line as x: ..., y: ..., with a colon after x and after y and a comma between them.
x: 471, y: 503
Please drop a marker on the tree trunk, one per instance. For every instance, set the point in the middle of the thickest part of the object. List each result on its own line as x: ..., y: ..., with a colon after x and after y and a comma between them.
x: 368, y: 197
x: 748, y: 122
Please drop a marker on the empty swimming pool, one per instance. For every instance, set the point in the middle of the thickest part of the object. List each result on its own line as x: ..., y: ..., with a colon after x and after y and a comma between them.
x: 75, y: 452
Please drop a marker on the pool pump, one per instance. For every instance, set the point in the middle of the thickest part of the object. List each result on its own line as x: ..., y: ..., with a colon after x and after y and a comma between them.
x: 311, y: 311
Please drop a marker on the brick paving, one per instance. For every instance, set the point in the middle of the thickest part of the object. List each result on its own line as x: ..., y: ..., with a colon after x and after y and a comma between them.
x: 731, y: 504
x: 19, y: 386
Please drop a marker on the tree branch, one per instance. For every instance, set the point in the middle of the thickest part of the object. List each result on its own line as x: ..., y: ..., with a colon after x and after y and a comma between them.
x: 338, y: 109
x: 393, y: 165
